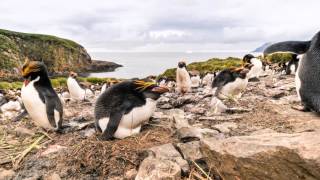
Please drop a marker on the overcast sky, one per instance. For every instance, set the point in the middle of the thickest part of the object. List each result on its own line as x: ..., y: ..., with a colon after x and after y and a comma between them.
x: 160, y: 25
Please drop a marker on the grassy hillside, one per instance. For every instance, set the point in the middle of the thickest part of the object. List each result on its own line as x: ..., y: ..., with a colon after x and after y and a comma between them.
x: 60, y: 55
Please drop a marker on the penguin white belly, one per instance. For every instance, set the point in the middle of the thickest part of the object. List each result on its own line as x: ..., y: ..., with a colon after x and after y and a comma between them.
x: 292, y: 68
x: 298, y: 82
x: 234, y: 88
x: 256, y: 70
x: 195, y: 81
x: 76, y: 92
x: 35, y: 107
x: 130, y: 123
x: 104, y: 87
x: 183, y: 80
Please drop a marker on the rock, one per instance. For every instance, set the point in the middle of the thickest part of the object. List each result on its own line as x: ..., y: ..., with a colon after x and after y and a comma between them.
x: 168, y: 152
x: 265, y: 156
x: 226, y: 127
x: 53, y: 149
x: 263, y: 131
x: 181, y: 101
x: 160, y: 169
x: 187, y: 134
x: 102, y: 66
x: 21, y: 131
x: 191, y: 150
x: 177, y: 115
x: 131, y: 174
x: 53, y: 176
x: 2, y: 100
x: 89, y: 132
x: 6, y: 174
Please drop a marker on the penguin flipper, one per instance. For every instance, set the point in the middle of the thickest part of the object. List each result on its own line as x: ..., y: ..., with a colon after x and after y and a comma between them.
x: 297, y: 47
x: 115, y: 118
x: 52, y: 105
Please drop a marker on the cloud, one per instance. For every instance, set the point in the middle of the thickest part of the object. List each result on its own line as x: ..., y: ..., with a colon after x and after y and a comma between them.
x: 160, y: 25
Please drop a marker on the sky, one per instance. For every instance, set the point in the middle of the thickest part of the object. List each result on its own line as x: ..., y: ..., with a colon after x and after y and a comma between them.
x: 165, y: 25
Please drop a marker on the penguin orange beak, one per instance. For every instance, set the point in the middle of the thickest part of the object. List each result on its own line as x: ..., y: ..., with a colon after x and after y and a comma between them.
x: 27, y: 81
x: 160, y: 89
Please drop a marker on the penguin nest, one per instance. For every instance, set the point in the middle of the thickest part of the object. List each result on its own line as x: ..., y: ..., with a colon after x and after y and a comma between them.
x: 114, y: 158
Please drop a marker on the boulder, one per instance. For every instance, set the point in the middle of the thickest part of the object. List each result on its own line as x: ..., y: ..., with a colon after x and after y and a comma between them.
x: 265, y: 156
x: 190, y: 151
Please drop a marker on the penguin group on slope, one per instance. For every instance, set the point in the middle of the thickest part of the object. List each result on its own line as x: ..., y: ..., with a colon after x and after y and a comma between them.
x: 121, y: 109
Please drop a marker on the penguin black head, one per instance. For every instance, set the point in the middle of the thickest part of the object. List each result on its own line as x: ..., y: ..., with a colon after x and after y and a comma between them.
x: 73, y: 74
x: 33, y: 69
x: 149, y: 89
x: 247, y: 58
x: 182, y: 64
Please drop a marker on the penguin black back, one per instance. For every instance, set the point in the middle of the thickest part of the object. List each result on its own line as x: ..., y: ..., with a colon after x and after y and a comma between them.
x: 119, y: 100
x: 226, y: 76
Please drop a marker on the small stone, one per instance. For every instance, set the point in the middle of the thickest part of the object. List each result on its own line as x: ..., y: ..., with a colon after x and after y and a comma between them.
x: 160, y: 169
x: 131, y: 174
x: 21, y: 131
x: 53, y: 149
x: 53, y: 176
x: 226, y: 127
x: 168, y: 152
x: 6, y: 174
x: 191, y: 150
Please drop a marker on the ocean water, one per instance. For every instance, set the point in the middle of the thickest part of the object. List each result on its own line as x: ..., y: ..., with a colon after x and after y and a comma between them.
x: 143, y: 64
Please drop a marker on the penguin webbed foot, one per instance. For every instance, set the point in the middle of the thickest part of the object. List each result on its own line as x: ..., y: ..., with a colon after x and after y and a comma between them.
x: 301, y: 108
x: 106, y: 138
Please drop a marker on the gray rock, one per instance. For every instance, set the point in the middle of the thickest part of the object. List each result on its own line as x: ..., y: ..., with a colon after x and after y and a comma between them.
x: 168, y: 152
x: 265, y: 156
x: 160, y: 169
x: 21, y: 131
x: 191, y: 150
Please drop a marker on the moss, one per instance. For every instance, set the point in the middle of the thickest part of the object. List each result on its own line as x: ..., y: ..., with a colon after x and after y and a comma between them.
x: 279, y: 57
x: 211, y: 65
x: 13, y: 85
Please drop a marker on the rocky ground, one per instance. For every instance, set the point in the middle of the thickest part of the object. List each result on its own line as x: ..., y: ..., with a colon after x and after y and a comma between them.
x: 259, y: 137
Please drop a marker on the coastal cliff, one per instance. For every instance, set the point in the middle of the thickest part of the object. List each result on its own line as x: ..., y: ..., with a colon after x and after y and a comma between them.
x: 60, y: 55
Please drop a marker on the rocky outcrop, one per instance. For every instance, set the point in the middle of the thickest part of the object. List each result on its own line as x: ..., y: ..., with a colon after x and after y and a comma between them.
x: 60, y: 55
x: 265, y: 156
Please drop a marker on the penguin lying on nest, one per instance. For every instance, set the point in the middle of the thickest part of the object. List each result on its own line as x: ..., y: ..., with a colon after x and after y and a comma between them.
x: 307, y: 74
x: 75, y: 90
x: 231, y: 82
x: 39, y: 98
x: 256, y: 69
x: 183, y: 78
x: 121, y: 109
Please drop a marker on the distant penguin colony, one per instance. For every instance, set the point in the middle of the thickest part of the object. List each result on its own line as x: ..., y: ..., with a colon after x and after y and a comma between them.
x: 183, y: 78
x: 39, y: 98
x: 292, y: 65
x: 307, y: 74
x: 121, y: 109
x: 230, y: 83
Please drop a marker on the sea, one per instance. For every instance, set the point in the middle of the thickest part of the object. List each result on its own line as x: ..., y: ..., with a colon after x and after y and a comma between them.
x: 143, y: 64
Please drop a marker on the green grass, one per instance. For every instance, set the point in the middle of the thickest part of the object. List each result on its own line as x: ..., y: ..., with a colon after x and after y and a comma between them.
x: 211, y: 65
x: 56, y: 82
x: 279, y: 57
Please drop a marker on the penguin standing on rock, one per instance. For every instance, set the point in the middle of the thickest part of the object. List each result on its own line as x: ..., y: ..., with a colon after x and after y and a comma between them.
x: 39, y: 98
x: 183, y: 78
x: 230, y: 82
x: 257, y: 68
x: 307, y: 75
x: 121, y: 109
